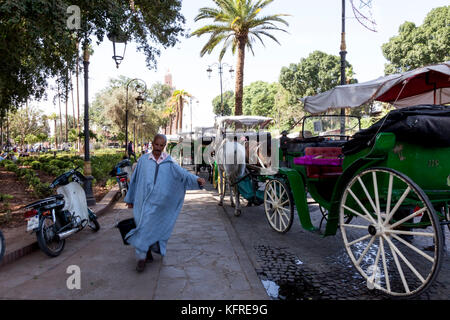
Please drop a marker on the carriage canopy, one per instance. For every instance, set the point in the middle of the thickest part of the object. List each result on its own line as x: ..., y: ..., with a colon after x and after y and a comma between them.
x: 426, y: 85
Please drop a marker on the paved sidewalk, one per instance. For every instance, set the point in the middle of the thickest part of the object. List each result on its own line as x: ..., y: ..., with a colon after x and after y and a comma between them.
x: 205, y: 260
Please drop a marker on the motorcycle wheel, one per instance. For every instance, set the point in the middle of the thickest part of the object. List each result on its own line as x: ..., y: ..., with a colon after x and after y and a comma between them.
x: 2, y: 246
x: 93, y: 223
x: 46, y: 237
x: 124, y: 192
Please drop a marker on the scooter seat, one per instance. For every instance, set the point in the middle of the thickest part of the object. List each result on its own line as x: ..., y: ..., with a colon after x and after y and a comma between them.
x: 46, y: 201
x: 122, y: 174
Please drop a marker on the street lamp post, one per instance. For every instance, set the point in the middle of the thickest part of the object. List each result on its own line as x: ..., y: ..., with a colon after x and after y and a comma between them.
x: 87, y: 162
x: 220, y: 66
x: 139, y: 101
x: 343, y: 53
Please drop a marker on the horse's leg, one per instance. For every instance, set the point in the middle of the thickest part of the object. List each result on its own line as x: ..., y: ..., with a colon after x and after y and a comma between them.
x: 231, y: 195
x: 237, y: 209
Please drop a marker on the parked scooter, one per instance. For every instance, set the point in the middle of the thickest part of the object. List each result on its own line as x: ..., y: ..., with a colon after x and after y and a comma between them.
x: 122, y: 171
x: 59, y: 216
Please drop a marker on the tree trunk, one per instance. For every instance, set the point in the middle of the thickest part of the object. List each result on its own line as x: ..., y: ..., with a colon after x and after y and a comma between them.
x: 239, y: 90
x: 67, y: 112
x: 60, y: 115
x: 78, y: 104
x: 181, y: 113
x: 56, y: 136
x: 73, y: 105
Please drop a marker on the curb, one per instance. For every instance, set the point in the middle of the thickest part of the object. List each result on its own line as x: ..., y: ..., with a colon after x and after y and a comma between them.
x: 99, y: 209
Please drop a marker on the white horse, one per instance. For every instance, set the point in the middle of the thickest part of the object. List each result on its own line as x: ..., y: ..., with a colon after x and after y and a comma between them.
x: 230, y: 157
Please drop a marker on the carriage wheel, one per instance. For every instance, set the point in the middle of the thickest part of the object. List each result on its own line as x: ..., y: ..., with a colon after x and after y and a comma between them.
x: 394, y: 239
x: 279, y: 205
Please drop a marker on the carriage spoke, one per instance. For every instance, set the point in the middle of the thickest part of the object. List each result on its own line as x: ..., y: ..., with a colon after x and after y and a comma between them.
x: 280, y: 215
x: 362, y: 206
x: 358, y: 240
x: 399, y: 267
x: 417, y: 213
x: 410, y: 266
x: 365, y: 250
x: 354, y: 226
x: 411, y: 233
x: 386, y: 273
x: 389, y: 195
x: 286, y: 211
x: 357, y: 213
x: 397, y: 205
x: 377, y: 199
x: 273, y: 191
x: 375, y: 268
x: 282, y: 194
x: 423, y: 254
x: 367, y: 194
x: 270, y: 193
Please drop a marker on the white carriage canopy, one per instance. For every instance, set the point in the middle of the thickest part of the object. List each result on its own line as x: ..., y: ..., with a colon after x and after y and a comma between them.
x: 248, y: 121
x: 426, y: 85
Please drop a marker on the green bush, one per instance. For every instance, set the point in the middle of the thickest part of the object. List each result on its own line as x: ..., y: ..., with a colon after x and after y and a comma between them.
x: 42, y: 189
x: 4, y: 163
x: 11, y: 167
x: 102, y: 164
x: 21, y: 172
x: 34, y: 181
x: 4, y: 197
x: 44, y: 167
x: 57, y: 163
x: 36, y: 165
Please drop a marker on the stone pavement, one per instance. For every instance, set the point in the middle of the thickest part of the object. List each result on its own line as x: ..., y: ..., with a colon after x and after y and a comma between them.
x: 205, y: 261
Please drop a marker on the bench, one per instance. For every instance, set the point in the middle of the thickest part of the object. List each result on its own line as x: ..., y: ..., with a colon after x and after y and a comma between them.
x: 321, y: 162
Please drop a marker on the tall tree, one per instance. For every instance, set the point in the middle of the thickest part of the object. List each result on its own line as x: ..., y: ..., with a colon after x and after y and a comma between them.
x: 317, y: 73
x: 238, y: 24
x: 54, y: 117
x: 417, y: 46
x: 27, y: 121
x: 177, y: 101
x: 37, y: 44
x: 259, y: 98
x: 228, y: 104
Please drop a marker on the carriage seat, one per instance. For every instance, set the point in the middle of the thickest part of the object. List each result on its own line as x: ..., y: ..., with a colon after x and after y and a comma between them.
x: 328, y: 164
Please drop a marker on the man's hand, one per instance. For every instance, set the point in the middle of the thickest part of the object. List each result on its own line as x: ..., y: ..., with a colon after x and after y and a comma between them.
x: 201, y: 182
x: 130, y: 205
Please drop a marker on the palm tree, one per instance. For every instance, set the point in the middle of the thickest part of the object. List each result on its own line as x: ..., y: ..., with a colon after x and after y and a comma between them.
x: 177, y: 100
x: 54, y: 117
x: 237, y: 24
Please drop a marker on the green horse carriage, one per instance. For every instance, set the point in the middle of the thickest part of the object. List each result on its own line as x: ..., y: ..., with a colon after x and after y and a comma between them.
x: 387, y: 192
x: 386, y: 188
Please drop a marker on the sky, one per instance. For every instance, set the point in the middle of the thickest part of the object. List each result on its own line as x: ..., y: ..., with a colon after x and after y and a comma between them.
x: 313, y: 25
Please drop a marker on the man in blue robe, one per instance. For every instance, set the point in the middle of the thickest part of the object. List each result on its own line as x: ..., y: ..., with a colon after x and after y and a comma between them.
x: 156, y: 194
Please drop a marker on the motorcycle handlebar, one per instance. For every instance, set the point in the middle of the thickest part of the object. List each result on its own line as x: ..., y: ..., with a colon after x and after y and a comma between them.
x: 64, y: 175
